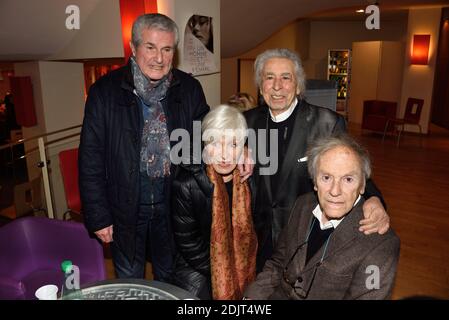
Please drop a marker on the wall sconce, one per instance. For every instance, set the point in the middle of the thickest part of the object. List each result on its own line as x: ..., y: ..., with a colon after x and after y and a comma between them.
x: 420, y: 50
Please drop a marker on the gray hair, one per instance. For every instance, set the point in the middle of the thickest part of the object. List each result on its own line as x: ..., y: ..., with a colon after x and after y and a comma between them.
x: 322, y: 145
x: 280, y: 53
x: 153, y: 21
x: 221, y: 119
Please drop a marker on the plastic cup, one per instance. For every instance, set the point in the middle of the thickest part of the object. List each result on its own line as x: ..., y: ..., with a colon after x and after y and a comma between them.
x: 47, y: 292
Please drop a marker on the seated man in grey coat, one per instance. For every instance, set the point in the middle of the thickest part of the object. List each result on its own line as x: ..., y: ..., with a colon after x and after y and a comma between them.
x: 320, y: 253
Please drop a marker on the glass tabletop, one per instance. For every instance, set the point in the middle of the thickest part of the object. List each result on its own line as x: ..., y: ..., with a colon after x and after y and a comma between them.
x: 130, y: 289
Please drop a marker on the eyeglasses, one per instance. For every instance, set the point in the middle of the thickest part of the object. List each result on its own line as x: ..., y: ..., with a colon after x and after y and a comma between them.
x: 299, y: 286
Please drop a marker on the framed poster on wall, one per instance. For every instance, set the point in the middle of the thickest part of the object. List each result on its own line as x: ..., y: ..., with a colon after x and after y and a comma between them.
x: 199, y: 46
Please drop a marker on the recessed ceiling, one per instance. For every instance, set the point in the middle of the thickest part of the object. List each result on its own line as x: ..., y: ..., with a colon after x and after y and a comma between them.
x: 255, y: 20
x: 32, y: 30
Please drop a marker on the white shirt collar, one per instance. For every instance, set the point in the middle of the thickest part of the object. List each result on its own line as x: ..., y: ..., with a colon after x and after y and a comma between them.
x: 284, y: 115
x: 331, y: 223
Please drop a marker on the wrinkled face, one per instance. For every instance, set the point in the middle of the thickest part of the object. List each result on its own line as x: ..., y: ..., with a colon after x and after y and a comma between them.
x: 201, y: 28
x: 339, y: 181
x: 279, y: 84
x: 224, y: 153
x: 155, y: 53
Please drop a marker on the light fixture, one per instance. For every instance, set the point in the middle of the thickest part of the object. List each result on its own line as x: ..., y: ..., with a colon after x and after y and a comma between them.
x: 360, y: 11
x: 420, y: 49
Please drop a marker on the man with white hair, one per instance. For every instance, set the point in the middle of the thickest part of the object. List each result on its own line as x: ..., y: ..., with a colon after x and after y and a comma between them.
x: 320, y: 253
x: 281, y: 81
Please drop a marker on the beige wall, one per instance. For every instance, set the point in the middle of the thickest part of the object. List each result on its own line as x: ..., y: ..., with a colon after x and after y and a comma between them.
x: 377, y: 68
x: 229, y: 78
x: 325, y: 35
x: 364, y: 77
x: 312, y: 40
x: 180, y: 11
x: 247, y: 77
x: 418, y: 79
x: 390, y: 76
x: 294, y: 36
x: 59, y: 101
x: 99, y: 36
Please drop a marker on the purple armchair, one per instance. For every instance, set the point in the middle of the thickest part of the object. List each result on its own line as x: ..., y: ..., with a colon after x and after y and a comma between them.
x: 31, y: 252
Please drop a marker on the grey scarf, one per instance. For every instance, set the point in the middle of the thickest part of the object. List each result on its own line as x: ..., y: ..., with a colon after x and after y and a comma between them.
x: 155, y: 151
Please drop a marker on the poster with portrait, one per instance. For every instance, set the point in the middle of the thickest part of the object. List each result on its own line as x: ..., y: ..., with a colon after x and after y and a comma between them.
x: 199, y: 46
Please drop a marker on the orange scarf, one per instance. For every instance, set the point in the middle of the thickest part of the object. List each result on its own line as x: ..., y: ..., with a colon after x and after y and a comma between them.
x: 233, y: 244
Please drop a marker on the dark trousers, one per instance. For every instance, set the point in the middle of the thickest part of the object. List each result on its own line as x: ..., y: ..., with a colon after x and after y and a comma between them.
x: 152, y: 225
x: 264, y: 252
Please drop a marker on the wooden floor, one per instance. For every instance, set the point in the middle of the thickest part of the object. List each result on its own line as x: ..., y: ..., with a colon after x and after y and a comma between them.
x: 414, y: 180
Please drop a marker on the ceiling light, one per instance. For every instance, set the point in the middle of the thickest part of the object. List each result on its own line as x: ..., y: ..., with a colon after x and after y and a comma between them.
x: 360, y: 11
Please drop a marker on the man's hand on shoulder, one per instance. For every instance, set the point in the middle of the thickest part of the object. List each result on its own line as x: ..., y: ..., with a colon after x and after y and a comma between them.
x: 376, y: 218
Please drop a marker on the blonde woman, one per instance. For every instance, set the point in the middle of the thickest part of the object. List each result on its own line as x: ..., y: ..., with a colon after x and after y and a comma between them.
x: 212, y: 214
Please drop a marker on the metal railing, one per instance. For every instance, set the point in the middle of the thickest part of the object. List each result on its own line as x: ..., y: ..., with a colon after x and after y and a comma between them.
x: 43, y: 163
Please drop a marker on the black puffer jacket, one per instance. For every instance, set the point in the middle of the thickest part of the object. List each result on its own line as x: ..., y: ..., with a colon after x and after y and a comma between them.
x: 192, y: 219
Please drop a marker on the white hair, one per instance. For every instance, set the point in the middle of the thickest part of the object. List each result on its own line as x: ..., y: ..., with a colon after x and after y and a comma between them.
x: 322, y: 145
x: 153, y: 21
x: 225, y: 121
x: 280, y: 53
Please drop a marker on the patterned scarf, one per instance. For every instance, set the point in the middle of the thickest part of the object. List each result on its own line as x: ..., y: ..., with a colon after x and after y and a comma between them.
x: 155, y: 151
x: 233, y: 244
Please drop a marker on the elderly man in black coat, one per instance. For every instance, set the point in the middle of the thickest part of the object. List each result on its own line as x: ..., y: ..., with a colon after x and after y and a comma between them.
x: 290, y: 124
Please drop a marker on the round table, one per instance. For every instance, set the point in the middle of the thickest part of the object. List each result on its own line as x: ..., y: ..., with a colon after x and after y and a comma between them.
x: 130, y: 289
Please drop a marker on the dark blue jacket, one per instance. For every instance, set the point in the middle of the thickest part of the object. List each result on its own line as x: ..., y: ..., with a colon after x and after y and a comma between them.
x: 109, y: 154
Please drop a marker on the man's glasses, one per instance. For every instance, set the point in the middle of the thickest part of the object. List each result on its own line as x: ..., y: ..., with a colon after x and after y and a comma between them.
x: 300, y: 285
